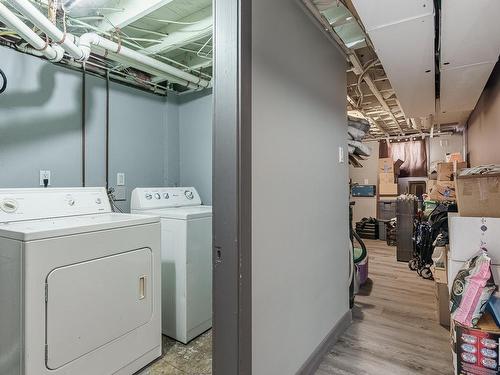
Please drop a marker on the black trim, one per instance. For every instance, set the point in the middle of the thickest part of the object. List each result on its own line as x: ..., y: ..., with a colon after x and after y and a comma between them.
x: 84, y: 141
x: 107, y: 130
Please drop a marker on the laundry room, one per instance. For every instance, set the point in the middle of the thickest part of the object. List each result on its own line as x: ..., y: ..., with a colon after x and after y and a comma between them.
x: 196, y: 187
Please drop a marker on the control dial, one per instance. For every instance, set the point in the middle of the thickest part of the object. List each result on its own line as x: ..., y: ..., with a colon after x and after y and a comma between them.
x: 157, y: 196
x: 149, y: 196
x: 189, y: 194
x: 166, y: 196
x: 9, y: 206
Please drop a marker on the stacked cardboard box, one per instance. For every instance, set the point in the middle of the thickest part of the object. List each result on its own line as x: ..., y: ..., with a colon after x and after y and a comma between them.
x: 444, y: 188
x: 479, y: 195
x: 388, y: 172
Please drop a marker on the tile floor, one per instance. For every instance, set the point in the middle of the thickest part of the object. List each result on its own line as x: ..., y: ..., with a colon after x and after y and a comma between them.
x: 194, y: 358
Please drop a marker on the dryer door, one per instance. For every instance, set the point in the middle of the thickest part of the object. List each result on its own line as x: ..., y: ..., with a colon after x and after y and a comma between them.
x: 92, y: 303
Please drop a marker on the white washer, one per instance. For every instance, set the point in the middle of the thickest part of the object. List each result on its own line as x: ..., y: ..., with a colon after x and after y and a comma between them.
x: 186, y: 252
x: 79, y: 285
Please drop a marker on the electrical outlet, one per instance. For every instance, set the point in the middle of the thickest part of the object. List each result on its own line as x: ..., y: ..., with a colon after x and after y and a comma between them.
x: 120, y: 179
x: 44, y: 175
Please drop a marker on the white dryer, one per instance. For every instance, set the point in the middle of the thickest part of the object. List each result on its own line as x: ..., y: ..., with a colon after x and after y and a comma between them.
x: 79, y: 285
x: 186, y: 252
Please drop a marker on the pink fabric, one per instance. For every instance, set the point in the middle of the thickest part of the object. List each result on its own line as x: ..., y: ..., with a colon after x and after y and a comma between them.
x: 472, y: 293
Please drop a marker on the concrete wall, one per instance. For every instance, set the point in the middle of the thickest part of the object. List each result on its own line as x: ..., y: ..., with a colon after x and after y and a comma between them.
x: 368, y: 175
x: 299, y: 190
x: 195, y: 134
x: 483, y: 130
x: 40, y: 128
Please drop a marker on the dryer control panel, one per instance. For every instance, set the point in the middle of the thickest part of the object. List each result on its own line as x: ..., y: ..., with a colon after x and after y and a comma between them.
x: 155, y: 198
x: 39, y: 203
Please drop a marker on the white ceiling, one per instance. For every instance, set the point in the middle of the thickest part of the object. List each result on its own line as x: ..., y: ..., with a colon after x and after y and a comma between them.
x: 470, y: 45
x: 402, y: 33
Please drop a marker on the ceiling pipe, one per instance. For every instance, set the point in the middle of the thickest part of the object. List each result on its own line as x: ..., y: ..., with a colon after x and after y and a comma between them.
x: 52, y: 31
x: 81, y: 48
x: 52, y: 53
x: 89, y: 41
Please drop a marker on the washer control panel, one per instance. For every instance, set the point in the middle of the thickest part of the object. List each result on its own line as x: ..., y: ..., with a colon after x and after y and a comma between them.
x: 152, y: 198
x: 32, y: 204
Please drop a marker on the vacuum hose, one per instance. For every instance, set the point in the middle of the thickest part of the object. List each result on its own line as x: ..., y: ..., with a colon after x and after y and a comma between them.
x: 4, y: 81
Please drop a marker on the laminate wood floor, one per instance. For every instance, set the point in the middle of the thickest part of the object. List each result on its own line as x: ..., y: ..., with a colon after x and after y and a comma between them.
x: 394, y: 331
x: 394, y: 328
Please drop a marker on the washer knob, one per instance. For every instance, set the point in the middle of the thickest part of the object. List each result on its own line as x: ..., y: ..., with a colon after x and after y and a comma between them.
x: 71, y: 202
x: 98, y: 201
x: 189, y: 194
x: 9, y: 206
x: 149, y: 196
x: 166, y: 196
x: 157, y: 196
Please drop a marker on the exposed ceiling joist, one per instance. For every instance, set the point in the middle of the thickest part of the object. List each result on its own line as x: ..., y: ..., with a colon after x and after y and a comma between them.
x: 132, y: 11
x: 358, y: 67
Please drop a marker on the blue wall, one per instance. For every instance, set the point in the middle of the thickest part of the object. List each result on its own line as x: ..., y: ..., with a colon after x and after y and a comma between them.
x: 40, y: 128
x: 195, y: 133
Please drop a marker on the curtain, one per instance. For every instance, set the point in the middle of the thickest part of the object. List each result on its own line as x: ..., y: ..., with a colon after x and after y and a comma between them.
x: 412, y: 153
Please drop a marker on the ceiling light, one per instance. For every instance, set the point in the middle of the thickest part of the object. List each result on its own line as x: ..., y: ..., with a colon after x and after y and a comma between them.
x: 348, y: 18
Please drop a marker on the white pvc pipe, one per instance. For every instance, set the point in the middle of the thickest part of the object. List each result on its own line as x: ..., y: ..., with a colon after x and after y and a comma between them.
x: 89, y: 40
x: 81, y: 52
x: 44, y: 24
x: 52, y: 53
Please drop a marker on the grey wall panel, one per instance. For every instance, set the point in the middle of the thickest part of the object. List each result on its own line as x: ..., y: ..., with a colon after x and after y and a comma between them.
x: 299, y: 190
x: 95, y: 127
x: 137, y: 138
x: 172, y: 143
x: 40, y: 122
x: 195, y: 130
x: 40, y: 128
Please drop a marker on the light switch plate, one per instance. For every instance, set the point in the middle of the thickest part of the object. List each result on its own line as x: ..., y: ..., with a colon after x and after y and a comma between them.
x: 341, y: 155
x: 120, y: 193
x: 120, y: 179
x: 44, y: 174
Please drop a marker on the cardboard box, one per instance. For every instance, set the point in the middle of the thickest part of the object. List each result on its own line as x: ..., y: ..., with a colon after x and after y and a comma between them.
x: 447, y: 171
x: 387, y: 165
x: 443, y: 191
x: 454, y: 156
x: 479, y: 196
x: 442, y: 304
x: 430, y: 185
x: 476, y: 349
x: 387, y: 185
x: 440, y: 274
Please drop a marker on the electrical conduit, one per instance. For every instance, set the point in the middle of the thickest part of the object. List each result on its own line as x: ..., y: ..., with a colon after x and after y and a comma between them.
x: 52, y: 53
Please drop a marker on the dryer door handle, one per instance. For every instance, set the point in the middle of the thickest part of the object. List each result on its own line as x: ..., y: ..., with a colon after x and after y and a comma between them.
x: 142, y: 287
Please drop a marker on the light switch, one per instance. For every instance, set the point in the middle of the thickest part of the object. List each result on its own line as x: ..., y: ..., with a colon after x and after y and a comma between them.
x: 120, y: 179
x: 341, y: 155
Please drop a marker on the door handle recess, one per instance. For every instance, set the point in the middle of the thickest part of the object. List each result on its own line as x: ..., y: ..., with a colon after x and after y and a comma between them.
x: 142, y: 287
